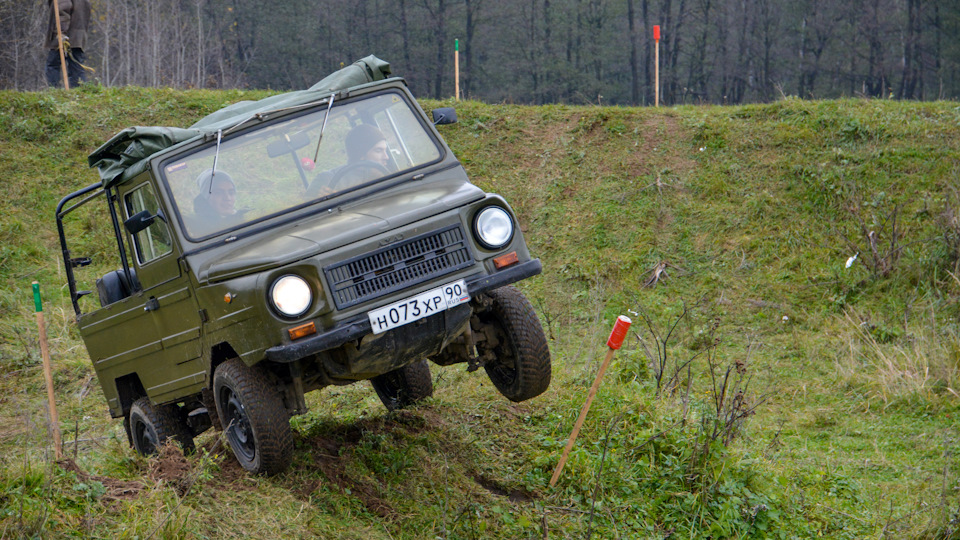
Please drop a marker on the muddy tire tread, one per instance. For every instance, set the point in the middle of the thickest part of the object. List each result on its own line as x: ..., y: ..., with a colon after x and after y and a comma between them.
x: 524, y: 334
x: 404, y: 386
x: 165, y: 420
x: 267, y: 414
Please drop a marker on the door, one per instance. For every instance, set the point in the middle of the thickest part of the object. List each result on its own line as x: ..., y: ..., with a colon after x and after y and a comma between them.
x: 176, y: 368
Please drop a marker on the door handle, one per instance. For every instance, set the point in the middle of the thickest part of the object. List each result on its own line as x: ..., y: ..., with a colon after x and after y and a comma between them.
x: 151, y: 305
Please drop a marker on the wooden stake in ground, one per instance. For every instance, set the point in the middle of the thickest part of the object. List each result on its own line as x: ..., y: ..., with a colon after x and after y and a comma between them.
x: 47, y: 372
x: 613, y: 343
x: 656, y: 65
x: 63, y: 60
x: 456, y: 69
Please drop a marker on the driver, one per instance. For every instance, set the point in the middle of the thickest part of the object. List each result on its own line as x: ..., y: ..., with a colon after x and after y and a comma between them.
x: 368, y: 157
x: 367, y: 143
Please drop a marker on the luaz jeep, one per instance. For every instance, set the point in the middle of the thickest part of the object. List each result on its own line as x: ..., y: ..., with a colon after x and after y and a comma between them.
x: 313, y: 238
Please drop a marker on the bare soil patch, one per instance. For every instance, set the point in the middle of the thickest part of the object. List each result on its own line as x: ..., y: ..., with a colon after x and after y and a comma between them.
x: 171, y: 467
x: 117, y: 490
x: 515, y: 495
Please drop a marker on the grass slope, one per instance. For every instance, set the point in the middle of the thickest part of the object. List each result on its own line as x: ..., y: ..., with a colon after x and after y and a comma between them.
x: 730, y: 225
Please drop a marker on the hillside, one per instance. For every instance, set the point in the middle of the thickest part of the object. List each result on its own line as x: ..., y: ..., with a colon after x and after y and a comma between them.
x: 797, y: 395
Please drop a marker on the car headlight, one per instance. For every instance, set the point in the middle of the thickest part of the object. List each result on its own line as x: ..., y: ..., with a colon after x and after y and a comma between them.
x: 291, y: 295
x: 493, y: 227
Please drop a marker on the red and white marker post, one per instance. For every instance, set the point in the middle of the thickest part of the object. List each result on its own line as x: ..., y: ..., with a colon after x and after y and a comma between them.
x: 656, y: 65
x: 613, y: 343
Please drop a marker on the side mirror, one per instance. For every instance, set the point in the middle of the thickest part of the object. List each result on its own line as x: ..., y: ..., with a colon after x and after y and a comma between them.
x: 139, y: 221
x: 444, y: 115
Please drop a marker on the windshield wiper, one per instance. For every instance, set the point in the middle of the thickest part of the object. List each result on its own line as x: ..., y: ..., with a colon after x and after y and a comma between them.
x: 265, y: 115
x: 216, y: 156
x: 322, y: 127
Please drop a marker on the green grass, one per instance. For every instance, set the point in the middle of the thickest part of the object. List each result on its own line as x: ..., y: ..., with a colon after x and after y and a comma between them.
x: 752, y: 213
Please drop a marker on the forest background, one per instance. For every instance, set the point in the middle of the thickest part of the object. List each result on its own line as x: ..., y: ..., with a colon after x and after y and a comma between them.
x: 533, y: 51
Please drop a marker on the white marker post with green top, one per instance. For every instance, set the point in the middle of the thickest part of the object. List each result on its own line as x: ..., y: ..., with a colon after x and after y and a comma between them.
x: 47, y: 372
x: 456, y: 69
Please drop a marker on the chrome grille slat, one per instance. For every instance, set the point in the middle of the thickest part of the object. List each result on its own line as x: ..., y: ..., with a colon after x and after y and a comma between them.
x: 398, y: 266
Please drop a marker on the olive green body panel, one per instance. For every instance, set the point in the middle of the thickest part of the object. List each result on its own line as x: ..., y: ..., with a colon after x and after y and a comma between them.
x: 181, y: 368
x: 120, y: 338
x: 160, y: 345
x: 154, y: 334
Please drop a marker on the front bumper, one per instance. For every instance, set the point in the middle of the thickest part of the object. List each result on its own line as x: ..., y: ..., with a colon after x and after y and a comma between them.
x: 359, y: 326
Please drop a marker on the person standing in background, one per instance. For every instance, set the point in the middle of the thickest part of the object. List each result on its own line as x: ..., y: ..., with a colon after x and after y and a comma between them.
x: 74, y: 17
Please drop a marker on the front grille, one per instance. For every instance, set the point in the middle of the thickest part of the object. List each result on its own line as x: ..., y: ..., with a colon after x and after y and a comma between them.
x: 398, y: 266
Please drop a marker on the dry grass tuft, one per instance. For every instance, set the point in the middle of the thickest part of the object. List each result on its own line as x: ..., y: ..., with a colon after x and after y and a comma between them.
x: 922, y: 364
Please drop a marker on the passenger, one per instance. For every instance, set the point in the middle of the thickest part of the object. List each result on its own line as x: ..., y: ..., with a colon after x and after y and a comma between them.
x: 214, y: 207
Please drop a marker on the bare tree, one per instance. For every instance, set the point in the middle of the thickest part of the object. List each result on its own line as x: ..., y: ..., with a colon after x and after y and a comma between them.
x: 529, y: 51
x: 634, y: 69
x: 911, y: 82
x: 472, y: 19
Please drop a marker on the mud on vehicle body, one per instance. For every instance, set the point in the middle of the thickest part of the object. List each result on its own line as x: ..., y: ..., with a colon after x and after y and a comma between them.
x: 314, y: 238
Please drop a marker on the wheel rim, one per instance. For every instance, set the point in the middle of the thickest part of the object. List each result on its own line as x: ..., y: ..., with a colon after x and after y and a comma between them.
x: 390, y: 391
x: 239, y: 434
x: 505, y: 366
x: 145, y: 436
x: 505, y: 373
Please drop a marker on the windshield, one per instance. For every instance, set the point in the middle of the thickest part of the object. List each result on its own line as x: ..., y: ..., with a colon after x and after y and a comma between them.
x: 280, y: 166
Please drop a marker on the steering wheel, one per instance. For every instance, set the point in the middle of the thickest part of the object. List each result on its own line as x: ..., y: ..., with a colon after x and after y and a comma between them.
x: 344, y: 171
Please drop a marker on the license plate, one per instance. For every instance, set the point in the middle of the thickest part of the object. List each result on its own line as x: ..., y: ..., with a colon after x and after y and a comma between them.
x: 417, y: 307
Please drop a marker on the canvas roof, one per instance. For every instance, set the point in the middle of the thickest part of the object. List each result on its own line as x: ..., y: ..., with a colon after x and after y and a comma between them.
x: 128, y: 153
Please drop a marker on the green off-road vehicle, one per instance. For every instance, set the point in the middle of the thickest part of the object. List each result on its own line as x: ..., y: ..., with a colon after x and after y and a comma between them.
x: 314, y: 238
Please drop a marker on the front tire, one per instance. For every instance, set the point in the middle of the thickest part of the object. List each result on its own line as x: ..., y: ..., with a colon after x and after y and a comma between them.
x: 149, y: 427
x: 405, y: 386
x: 253, y: 417
x: 521, y: 369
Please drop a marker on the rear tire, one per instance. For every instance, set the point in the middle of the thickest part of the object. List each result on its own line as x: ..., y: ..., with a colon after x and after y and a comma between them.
x: 149, y: 427
x: 522, y: 367
x: 405, y: 386
x: 254, y: 419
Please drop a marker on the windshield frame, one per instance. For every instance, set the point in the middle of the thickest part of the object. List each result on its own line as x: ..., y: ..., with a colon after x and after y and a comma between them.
x: 162, y: 164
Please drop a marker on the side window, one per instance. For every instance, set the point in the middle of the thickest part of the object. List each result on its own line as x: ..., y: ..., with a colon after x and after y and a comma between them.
x: 414, y: 146
x: 154, y: 241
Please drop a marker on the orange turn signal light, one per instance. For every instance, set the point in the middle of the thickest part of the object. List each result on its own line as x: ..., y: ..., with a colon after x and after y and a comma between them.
x: 504, y: 261
x: 303, y: 330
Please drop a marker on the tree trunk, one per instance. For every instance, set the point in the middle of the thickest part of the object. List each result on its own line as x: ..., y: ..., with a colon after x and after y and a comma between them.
x: 547, y: 95
x: 697, y: 80
x: 634, y: 73
x: 198, y: 82
x: 675, y: 57
x: 911, y: 51
x: 648, y: 50
x: 466, y: 73
x: 405, y: 34
x: 876, y: 82
x: 723, y: 63
x: 937, y: 50
x: 441, y: 46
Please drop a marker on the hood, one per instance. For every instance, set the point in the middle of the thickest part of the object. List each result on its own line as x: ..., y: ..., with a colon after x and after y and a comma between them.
x: 344, y: 225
